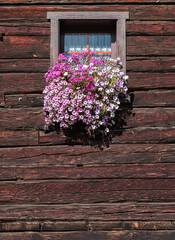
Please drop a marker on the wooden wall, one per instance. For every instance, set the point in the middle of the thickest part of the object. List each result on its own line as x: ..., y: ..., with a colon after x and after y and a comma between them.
x: 50, y: 190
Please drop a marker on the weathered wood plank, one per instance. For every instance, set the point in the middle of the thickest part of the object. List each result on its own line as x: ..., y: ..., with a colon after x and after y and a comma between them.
x: 46, y: 226
x: 150, y: 28
x: 103, y: 212
x: 150, y: 45
x: 154, y: 98
x: 43, y: 28
x: 82, y: 225
x: 103, y: 235
x: 27, y: 118
x: 24, y: 47
x: 134, y: 64
x: 22, y: 83
x: 88, y: 191
x: 19, y: 226
x: 24, y: 100
x: 139, y: 99
x: 151, y: 80
x: 119, y: 235
x: 149, y: 64
x: 137, y: 12
x: 30, y: 46
x: 24, y: 65
x: 18, y: 138
x: 83, y: 1
x: 130, y: 225
x: 19, y: 119
x: 41, y: 156
x: 120, y: 171
x: 35, y: 82
x: 133, y: 135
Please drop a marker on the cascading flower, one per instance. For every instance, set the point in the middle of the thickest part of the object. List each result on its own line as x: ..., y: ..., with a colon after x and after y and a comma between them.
x: 84, y: 88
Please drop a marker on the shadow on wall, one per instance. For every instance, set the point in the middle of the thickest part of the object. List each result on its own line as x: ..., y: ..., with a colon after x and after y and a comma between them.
x: 77, y: 134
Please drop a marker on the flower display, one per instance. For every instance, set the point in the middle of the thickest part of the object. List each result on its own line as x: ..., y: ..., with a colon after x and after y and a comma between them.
x: 83, y: 88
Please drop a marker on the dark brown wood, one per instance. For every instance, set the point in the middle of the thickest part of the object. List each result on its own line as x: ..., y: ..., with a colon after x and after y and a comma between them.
x: 43, y: 156
x: 24, y: 65
x: 43, y: 28
x: 139, y: 99
x: 35, y: 82
x: 119, y: 171
x: 148, y: 64
x: 135, y: 135
x: 29, y: 46
x: 150, y: 45
x: 154, y: 98
x: 22, y: 83
x: 19, y: 119
x: 151, y: 80
x: 138, y: 64
x: 84, y: 226
x: 104, y: 212
x: 27, y: 118
x: 166, y: 235
x: 150, y: 28
x: 137, y: 12
x: 59, y: 191
x: 88, y: 191
x: 83, y: 1
x: 130, y: 225
x: 24, y: 47
x: 24, y: 100
x: 18, y: 138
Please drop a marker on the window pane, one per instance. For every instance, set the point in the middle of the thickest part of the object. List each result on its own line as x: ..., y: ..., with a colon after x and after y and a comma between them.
x: 75, y: 42
x: 99, y: 42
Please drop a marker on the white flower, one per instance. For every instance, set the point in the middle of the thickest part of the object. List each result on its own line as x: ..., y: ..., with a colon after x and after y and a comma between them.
x: 107, y: 130
x: 66, y: 73
x: 125, y: 77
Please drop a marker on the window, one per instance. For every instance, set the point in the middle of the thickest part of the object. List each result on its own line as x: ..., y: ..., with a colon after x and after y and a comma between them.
x: 102, y: 32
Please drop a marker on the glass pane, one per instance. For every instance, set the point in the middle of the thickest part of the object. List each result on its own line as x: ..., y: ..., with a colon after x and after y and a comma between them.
x: 74, y: 42
x: 101, y: 43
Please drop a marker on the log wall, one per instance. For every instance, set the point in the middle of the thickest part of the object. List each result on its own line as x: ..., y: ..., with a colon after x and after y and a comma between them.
x: 51, y: 190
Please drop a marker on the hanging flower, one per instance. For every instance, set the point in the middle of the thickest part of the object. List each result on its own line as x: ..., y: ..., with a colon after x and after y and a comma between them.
x: 84, y: 88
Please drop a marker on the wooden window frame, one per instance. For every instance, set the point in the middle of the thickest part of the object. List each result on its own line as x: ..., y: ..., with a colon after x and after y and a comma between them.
x: 118, y: 49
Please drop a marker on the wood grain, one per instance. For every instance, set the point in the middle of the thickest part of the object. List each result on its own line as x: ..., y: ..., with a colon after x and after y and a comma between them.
x: 123, y: 211
x: 134, y: 64
x: 85, y: 225
x: 27, y: 118
x: 135, y: 135
x: 166, y: 235
x: 35, y: 82
x: 19, y: 119
x: 114, y: 172
x: 88, y: 191
x: 149, y: 64
x: 151, y: 80
x: 158, y: 98
x: 137, y: 12
x: 29, y: 46
x: 43, y: 156
x: 82, y: 2
x: 154, y: 98
x: 43, y: 28
x: 18, y: 138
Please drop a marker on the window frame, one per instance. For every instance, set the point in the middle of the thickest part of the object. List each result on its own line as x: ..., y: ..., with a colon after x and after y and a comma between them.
x: 118, y: 48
